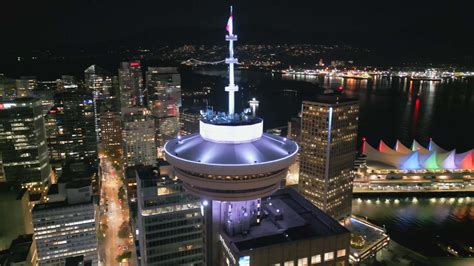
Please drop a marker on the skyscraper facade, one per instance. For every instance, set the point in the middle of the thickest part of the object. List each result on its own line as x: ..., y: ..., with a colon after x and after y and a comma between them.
x: 23, y: 146
x: 164, y: 100
x: 138, y: 137
x: 72, y: 125
x: 294, y: 133
x: 328, y: 149
x: 111, y: 133
x: 170, y: 226
x: 131, y: 84
x: 25, y: 86
x: 100, y: 83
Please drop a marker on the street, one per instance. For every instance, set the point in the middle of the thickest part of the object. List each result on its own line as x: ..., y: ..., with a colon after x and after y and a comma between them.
x: 114, y: 214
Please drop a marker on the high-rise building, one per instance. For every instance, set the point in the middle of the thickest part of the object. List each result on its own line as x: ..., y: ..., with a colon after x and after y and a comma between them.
x: 131, y: 84
x: 170, y: 228
x: 328, y: 150
x: 25, y: 86
x: 71, y: 126
x: 294, y: 129
x: 294, y: 133
x: 166, y: 128
x: 15, y: 212
x: 164, y: 100
x: 23, y: 147
x: 98, y: 80
x: 100, y: 83
x: 7, y: 88
x: 111, y: 133
x: 138, y: 137
x: 16, y: 88
x: 189, y: 120
x: 53, y: 134
x: 65, y: 226
x: 164, y: 89
x: 67, y: 83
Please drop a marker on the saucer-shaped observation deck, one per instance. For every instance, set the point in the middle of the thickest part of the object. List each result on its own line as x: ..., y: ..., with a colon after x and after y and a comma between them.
x: 231, y: 160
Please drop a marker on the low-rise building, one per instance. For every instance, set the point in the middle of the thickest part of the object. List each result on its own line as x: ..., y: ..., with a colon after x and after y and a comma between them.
x: 291, y: 232
x: 65, y: 226
x: 15, y: 213
x: 22, y: 252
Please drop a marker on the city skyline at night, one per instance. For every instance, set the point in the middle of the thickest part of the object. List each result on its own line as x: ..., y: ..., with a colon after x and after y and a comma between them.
x: 236, y: 134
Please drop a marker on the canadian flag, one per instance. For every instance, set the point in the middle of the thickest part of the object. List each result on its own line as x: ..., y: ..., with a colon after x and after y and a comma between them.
x: 230, y: 27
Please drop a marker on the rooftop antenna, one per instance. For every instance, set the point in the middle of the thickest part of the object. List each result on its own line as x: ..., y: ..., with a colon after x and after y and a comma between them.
x: 253, y: 104
x: 232, y: 88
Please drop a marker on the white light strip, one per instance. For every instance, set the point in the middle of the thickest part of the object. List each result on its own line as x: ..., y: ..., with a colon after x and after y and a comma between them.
x: 231, y: 134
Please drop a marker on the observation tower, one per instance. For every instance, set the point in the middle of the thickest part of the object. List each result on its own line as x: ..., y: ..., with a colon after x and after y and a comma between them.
x: 231, y: 164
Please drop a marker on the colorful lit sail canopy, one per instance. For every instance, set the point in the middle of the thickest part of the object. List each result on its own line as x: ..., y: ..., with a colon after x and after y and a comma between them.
x: 418, y: 157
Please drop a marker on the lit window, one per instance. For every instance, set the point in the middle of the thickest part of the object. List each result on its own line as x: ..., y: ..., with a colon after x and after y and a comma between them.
x: 315, y: 259
x: 328, y: 256
x: 341, y: 253
x: 303, y: 262
x: 276, y: 264
x: 289, y: 263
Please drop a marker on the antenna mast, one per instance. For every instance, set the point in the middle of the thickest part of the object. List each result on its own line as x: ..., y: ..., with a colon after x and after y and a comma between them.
x: 232, y: 88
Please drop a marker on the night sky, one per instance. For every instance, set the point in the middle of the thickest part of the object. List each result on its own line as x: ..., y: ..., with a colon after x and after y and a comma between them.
x: 390, y: 26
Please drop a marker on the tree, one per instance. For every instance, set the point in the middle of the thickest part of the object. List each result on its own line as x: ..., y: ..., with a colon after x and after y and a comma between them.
x: 116, y: 166
x: 125, y: 255
x: 101, y: 232
x: 121, y: 193
x: 124, y: 231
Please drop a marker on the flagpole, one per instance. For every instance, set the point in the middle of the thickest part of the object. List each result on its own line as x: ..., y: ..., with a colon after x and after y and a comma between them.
x: 232, y: 88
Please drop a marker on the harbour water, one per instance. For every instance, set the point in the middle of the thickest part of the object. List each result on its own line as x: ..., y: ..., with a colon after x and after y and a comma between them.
x: 431, y: 226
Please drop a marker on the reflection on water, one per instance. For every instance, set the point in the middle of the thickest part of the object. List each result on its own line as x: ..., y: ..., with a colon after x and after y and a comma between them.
x: 426, y: 225
x: 390, y: 108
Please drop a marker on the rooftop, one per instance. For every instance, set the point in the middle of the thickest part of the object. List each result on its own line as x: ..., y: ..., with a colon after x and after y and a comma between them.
x: 18, y: 251
x: 150, y: 176
x: 331, y: 98
x: 264, y: 150
x: 78, y: 183
x: 301, y: 220
x: 8, y: 189
x: 58, y: 204
x: 23, y: 102
x: 76, y: 261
